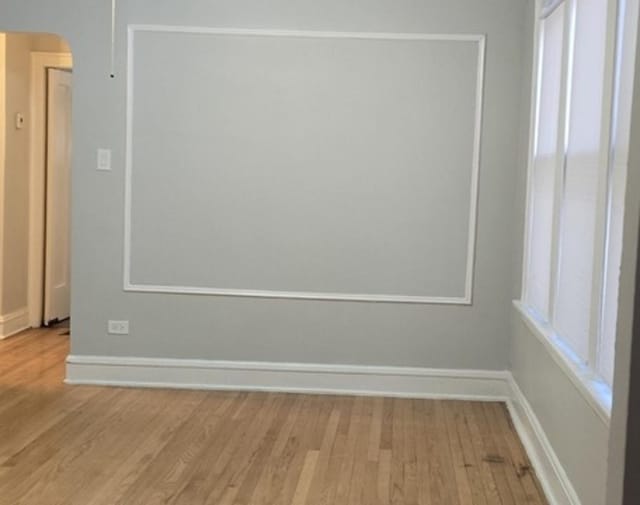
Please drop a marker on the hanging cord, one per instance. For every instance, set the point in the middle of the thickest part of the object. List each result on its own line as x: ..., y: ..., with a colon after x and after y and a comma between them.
x: 112, y: 72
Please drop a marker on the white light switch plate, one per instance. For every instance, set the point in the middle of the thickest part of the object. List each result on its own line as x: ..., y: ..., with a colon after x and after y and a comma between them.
x: 19, y: 121
x: 118, y: 327
x: 104, y: 159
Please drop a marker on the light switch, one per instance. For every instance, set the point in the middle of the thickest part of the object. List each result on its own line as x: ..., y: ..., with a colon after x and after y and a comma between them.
x: 104, y: 159
x: 19, y: 121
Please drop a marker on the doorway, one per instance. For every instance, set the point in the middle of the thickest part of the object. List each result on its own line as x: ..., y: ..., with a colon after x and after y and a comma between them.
x: 56, y: 286
x: 35, y: 146
x: 50, y: 171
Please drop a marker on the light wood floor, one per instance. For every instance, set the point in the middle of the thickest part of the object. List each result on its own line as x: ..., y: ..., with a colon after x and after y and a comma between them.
x: 107, y: 446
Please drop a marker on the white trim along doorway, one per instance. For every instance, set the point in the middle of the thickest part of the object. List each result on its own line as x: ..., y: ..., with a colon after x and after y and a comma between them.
x: 40, y: 63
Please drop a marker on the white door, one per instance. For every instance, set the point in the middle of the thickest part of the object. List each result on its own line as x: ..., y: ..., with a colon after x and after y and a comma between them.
x: 57, y: 222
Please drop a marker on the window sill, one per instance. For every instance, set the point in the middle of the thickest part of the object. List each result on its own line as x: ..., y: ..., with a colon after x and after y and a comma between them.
x: 594, y: 390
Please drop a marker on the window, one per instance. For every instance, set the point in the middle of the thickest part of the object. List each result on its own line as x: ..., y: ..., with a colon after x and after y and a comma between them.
x: 544, y: 161
x: 577, y: 174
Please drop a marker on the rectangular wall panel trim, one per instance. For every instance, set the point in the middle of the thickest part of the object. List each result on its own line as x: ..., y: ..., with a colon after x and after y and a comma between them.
x: 160, y: 287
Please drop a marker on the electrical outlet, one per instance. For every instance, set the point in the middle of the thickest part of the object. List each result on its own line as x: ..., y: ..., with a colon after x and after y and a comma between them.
x: 118, y: 327
x: 104, y: 159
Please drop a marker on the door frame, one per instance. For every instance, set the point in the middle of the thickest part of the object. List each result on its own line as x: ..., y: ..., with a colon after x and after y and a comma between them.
x: 40, y: 62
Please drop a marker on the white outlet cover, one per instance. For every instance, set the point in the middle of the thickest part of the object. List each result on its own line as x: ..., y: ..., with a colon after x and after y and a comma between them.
x: 118, y: 327
x: 104, y: 159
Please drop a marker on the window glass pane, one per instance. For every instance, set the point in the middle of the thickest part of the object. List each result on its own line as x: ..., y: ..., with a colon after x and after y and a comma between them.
x: 544, y: 163
x: 617, y: 182
x: 581, y: 176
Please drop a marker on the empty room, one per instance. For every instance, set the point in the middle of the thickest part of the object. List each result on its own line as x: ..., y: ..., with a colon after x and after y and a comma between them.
x: 341, y: 252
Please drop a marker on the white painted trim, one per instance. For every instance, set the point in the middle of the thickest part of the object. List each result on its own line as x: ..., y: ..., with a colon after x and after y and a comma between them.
x: 548, y: 7
x: 562, y: 144
x: 466, y: 299
x: 288, y: 377
x: 551, y: 474
x: 3, y: 141
x: 475, y: 173
x: 592, y: 388
x: 294, y: 295
x: 604, y: 197
x: 14, y: 322
x: 40, y: 61
x: 534, y: 112
x: 309, y: 34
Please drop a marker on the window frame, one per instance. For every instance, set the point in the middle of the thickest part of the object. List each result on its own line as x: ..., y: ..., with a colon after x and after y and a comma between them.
x: 584, y: 374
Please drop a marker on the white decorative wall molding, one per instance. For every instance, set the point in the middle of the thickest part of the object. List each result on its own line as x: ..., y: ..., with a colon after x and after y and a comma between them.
x: 466, y: 299
x: 14, y: 322
x: 288, y: 377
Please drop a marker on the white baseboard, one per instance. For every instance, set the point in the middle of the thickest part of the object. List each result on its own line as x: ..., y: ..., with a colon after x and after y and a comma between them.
x: 14, y: 322
x: 478, y: 385
x: 551, y: 474
x: 288, y: 377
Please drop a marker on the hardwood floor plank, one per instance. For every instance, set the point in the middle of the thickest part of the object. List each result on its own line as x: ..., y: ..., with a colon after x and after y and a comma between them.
x: 522, y: 465
x: 397, y: 489
x: 471, y: 463
x: 324, y: 455
x: 375, y: 436
x: 463, y: 485
x: 306, y: 475
x: 348, y: 461
x: 177, y: 411
x: 384, y: 476
x: 338, y: 453
x: 386, y: 433
x: 424, y: 454
x: 492, y: 457
x: 262, y: 492
x: 244, y: 469
x: 287, y: 472
x: 410, y: 460
x: 51, y: 448
x: 357, y: 482
x: 112, y: 440
x: 503, y: 456
x: 171, y: 469
x: 479, y: 454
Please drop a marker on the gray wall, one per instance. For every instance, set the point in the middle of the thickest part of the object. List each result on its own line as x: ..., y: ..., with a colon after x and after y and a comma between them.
x: 278, y: 330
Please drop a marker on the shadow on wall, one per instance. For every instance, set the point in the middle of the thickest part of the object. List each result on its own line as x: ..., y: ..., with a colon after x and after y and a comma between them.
x: 25, y: 60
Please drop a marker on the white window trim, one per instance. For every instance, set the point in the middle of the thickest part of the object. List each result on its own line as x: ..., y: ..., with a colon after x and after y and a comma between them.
x: 609, y: 103
x: 593, y: 389
x: 547, y: 8
x: 562, y: 143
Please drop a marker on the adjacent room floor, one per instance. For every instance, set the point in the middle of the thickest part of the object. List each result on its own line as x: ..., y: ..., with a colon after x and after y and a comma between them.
x: 108, y: 446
